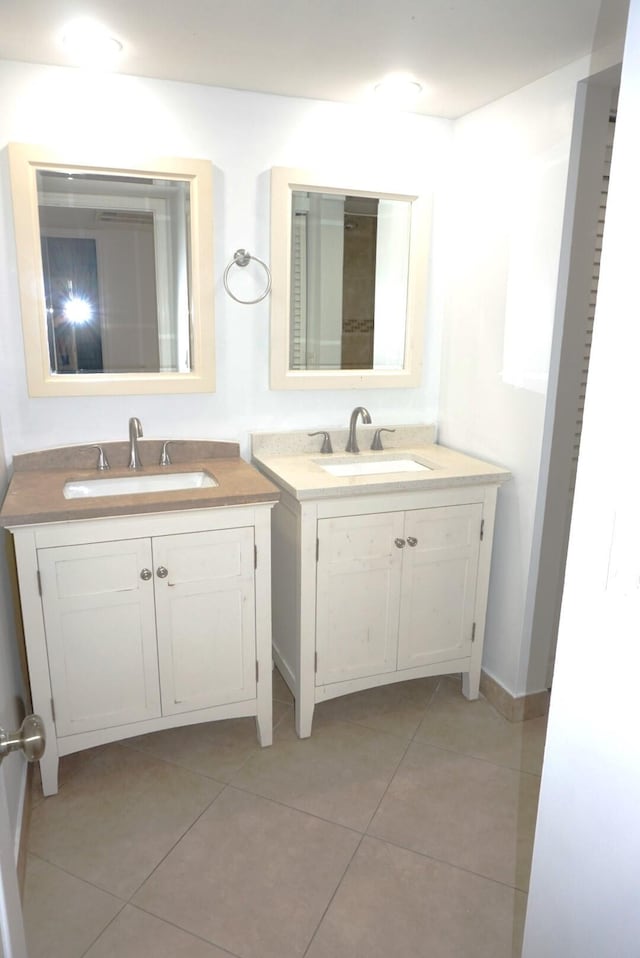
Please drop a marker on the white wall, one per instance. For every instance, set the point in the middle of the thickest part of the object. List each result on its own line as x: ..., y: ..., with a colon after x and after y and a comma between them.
x: 509, y: 181
x: 11, y: 691
x: 244, y: 135
x: 584, y: 886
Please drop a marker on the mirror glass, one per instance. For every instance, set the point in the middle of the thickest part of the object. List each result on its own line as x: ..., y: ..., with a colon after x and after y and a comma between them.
x: 116, y: 284
x: 349, y: 281
x: 115, y: 254
x: 349, y: 272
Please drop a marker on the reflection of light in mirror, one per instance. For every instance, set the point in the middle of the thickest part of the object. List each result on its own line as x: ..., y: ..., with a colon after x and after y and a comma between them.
x: 77, y: 310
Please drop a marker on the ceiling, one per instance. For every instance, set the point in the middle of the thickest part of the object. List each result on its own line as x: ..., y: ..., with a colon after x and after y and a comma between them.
x: 465, y: 52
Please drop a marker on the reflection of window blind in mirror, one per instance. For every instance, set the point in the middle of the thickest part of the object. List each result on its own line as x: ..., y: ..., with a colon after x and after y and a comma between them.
x: 592, y: 301
x: 298, y: 345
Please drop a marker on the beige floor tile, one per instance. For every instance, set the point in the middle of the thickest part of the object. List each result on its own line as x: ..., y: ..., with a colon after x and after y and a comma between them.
x: 339, y: 774
x: 68, y: 766
x: 251, y: 876
x: 135, y: 934
x: 393, y: 902
x: 463, y: 811
x: 396, y: 709
x: 62, y: 914
x: 281, y: 691
x: 215, y: 749
x: 117, y: 818
x: 475, y: 728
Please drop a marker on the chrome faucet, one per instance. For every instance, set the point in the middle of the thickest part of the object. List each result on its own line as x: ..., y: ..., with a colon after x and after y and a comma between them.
x: 135, y: 432
x: 352, y: 443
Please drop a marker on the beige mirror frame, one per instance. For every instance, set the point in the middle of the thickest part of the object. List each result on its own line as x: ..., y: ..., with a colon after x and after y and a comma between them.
x: 25, y: 161
x: 284, y: 181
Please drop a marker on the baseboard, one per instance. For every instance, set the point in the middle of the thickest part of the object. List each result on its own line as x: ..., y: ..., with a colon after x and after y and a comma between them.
x: 515, y: 708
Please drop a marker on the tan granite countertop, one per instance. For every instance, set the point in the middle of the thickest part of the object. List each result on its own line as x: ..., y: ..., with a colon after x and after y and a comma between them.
x: 301, y: 473
x: 35, y: 494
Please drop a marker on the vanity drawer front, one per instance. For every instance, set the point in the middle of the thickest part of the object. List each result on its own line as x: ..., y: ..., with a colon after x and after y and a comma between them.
x: 100, y: 626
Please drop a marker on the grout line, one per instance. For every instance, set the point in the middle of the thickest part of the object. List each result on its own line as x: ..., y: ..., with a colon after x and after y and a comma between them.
x: 335, y: 892
x: 186, y: 931
x: 443, y: 861
x: 178, y: 840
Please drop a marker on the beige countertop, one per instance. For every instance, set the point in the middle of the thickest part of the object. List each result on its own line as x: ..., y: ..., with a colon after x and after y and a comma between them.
x: 35, y: 493
x: 301, y: 473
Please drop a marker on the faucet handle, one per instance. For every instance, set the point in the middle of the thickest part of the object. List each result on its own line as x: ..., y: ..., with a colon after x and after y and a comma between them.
x: 377, y: 441
x: 103, y: 462
x: 165, y: 458
x: 326, y: 443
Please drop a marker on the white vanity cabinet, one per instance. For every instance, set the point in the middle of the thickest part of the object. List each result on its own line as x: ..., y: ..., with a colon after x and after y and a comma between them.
x: 372, y: 588
x: 395, y: 590
x: 140, y: 623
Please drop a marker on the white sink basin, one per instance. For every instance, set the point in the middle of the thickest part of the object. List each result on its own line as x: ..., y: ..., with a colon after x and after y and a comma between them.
x: 373, y: 467
x: 132, y: 485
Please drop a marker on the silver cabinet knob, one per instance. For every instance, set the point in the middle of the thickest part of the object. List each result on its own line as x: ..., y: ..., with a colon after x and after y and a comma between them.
x: 161, y: 572
x: 400, y: 543
x: 146, y: 574
x: 30, y: 737
x: 412, y: 541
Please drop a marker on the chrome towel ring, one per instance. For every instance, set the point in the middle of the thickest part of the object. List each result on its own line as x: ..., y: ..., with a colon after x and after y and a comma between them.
x: 243, y: 257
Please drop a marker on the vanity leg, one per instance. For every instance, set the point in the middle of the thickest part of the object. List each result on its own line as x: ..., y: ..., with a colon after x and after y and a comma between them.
x: 49, y: 769
x: 264, y: 708
x: 304, y: 719
x: 471, y: 684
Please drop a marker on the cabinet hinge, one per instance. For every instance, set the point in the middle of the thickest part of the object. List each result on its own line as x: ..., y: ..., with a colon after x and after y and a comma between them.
x: 39, y: 582
x: 473, y: 632
x: 257, y: 671
x: 315, y: 662
x: 255, y: 557
x: 317, y: 549
x: 53, y: 711
x: 481, y: 530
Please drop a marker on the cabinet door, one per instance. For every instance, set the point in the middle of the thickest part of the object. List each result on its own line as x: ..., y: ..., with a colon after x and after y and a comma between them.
x: 205, y: 609
x: 100, y: 624
x: 358, y: 592
x: 438, y: 584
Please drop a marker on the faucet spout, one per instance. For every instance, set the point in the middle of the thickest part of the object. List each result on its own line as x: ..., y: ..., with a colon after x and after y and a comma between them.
x: 352, y: 443
x: 135, y: 432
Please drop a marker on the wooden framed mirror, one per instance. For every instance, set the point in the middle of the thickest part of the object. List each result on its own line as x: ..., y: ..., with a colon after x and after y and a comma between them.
x: 349, y: 268
x: 115, y: 267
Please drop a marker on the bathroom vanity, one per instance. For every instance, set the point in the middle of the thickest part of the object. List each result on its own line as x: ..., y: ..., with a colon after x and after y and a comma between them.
x: 142, y: 610
x: 380, y: 562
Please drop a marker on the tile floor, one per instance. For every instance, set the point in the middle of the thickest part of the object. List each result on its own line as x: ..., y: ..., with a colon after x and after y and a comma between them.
x: 403, y: 826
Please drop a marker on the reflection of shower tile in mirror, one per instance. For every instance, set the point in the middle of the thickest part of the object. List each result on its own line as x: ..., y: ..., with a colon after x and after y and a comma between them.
x: 359, y: 282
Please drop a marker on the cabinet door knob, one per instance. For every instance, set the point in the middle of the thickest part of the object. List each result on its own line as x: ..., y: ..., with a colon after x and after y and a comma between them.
x: 400, y: 543
x: 146, y: 574
x: 412, y: 541
x: 161, y: 572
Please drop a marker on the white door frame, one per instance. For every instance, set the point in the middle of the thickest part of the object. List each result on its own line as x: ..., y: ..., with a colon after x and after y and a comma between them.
x: 12, y: 938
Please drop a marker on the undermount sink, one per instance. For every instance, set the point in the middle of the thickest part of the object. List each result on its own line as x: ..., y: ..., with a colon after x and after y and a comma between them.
x: 373, y: 467
x: 136, y: 484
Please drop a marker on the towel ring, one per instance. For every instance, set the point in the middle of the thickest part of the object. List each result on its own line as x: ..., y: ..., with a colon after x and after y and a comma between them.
x: 243, y: 257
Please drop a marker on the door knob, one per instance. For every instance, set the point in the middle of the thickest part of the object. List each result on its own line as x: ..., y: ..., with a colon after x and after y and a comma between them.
x: 400, y: 543
x: 146, y: 574
x: 30, y: 737
x: 161, y: 572
x: 412, y: 541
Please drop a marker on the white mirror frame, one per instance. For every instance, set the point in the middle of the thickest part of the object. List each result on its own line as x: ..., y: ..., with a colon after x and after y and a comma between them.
x: 24, y: 161
x: 283, y: 183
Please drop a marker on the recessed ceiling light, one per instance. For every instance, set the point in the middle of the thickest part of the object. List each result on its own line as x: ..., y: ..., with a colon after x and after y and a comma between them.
x: 398, y: 89
x: 89, y: 43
